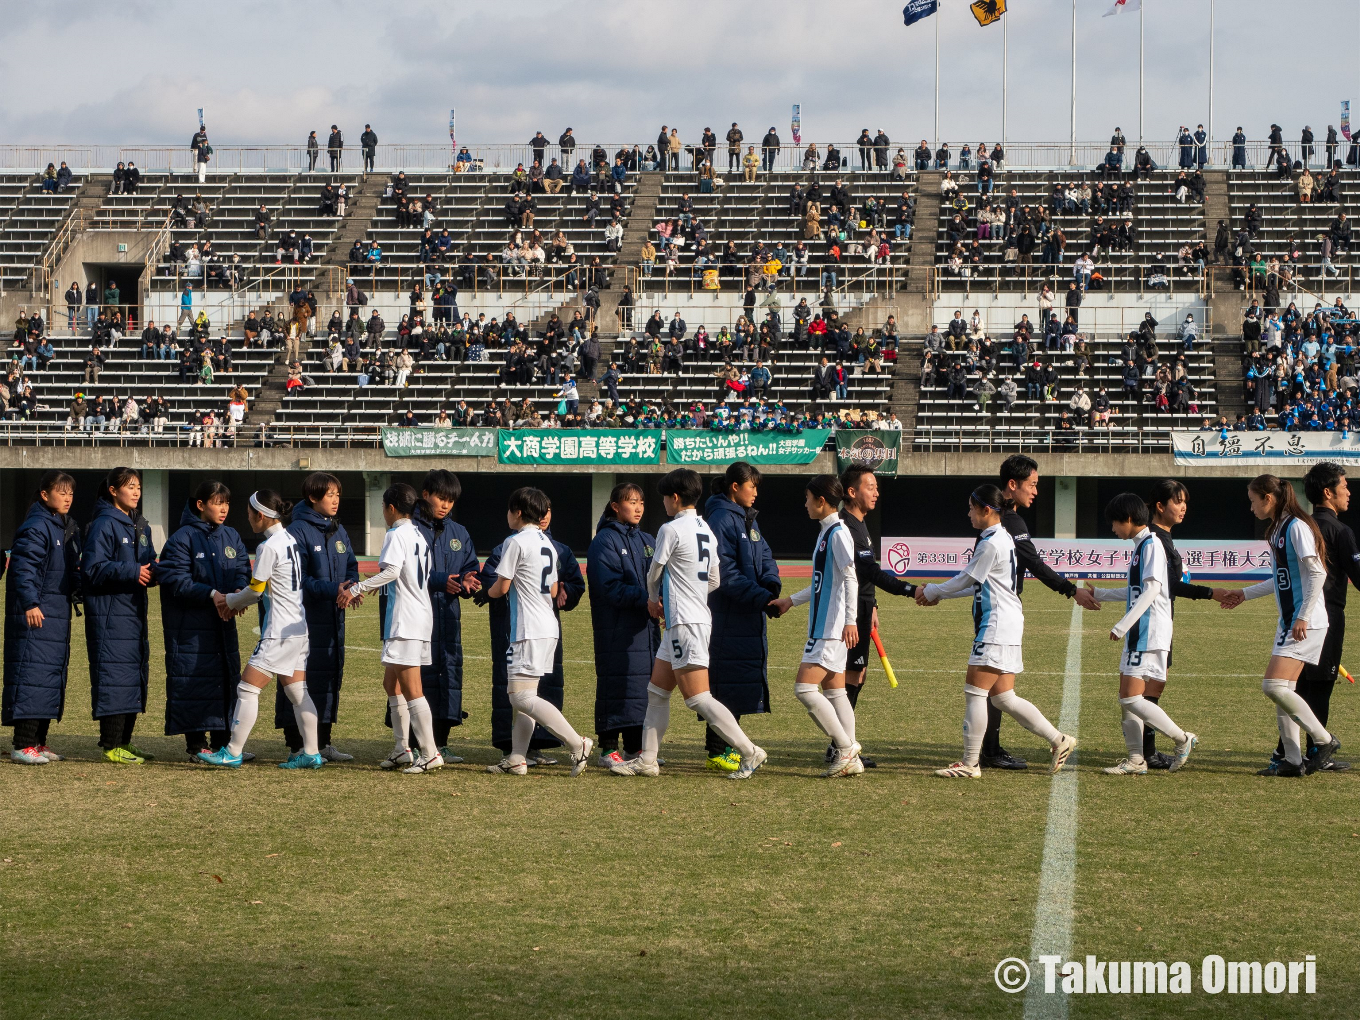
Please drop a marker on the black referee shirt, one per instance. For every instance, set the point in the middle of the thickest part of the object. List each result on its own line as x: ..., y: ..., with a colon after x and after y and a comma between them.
x: 867, y: 571
x: 1343, y: 560
x: 1175, y: 573
x: 1027, y: 558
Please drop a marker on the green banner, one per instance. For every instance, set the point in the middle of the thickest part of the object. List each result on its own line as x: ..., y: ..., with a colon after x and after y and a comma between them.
x: 877, y: 449
x: 699, y: 446
x: 423, y: 442
x: 580, y: 446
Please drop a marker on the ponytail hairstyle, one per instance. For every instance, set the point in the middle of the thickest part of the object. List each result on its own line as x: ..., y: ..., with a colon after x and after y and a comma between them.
x: 618, y: 494
x: 1168, y: 490
x: 827, y: 488
x: 988, y: 497
x: 212, y: 492
x: 402, y: 498
x: 272, y: 500
x: 51, y: 481
x: 739, y: 472
x: 1286, y: 506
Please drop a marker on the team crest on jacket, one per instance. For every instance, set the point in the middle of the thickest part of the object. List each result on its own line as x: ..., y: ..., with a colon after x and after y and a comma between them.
x: 455, y: 544
x: 229, y: 552
x: 142, y: 540
x: 755, y: 535
x: 647, y: 550
x: 339, y: 546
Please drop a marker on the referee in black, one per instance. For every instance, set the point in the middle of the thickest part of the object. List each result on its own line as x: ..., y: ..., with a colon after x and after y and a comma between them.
x: 861, y: 496
x: 1019, y: 484
x: 1326, y: 488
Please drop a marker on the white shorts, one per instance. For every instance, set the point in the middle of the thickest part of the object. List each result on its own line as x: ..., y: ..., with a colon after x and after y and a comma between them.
x: 1147, y: 664
x: 1308, y: 650
x: 531, y: 657
x: 280, y: 656
x: 406, y: 652
x: 685, y: 646
x: 829, y: 653
x: 1003, y: 658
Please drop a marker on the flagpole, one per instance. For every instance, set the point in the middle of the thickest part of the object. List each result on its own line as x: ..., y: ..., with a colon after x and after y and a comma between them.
x: 1211, y: 77
x: 1005, y: 48
x: 938, y: 15
x: 1140, y: 76
x: 1072, y: 157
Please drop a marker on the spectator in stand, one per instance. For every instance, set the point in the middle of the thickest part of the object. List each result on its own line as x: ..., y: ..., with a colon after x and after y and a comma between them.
x: 63, y: 176
x: 922, y: 156
x: 368, y: 142
x: 313, y: 151
x: 335, y: 146
x: 750, y: 164
x: 202, y: 152
x: 770, y: 149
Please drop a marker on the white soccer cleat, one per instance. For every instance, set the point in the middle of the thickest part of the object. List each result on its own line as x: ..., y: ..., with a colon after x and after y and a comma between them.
x: 842, y: 763
x: 424, y: 765
x: 1125, y: 767
x: 1062, y: 750
x: 580, y: 761
x: 330, y: 753
x: 635, y: 767
x: 855, y: 768
x: 28, y: 756
x: 609, y: 759
x: 505, y: 768
x: 960, y: 771
x: 1183, y: 751
x: 749, y: 764
x: 397, y: 759
x: 539, y: 758
x: 49, y: 754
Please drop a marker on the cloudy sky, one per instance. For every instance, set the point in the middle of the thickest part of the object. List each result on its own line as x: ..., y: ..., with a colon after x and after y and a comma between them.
x: 135, y: 71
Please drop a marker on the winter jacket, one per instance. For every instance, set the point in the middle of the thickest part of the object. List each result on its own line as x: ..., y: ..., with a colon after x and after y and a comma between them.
x: 44, y: 573
x: 115, y: 549
x: 329, y: 561
x: 202, y: 658
x: 550, y: 686
x: 626, y: 637
x: 738, y: 649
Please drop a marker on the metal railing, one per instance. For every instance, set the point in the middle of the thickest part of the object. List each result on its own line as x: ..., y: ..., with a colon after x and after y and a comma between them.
x: 1341, y: 280
x: 687, y: 278
x: 990, y: 277
x: 962, y: 438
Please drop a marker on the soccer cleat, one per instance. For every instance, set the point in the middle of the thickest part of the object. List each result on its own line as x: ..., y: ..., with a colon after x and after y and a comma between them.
x: 749, y: 765
x: 449, y: 757
x: 247, y: 755
x: 221, y: 757
x: 539, y: 758
x: 1281, y: 769
x: 397, y: 759
x: 580, y: 761
x: 331, y: 754
x: 303, y: 760
x: 1062, y: 750
x: 609, y: 760
x: 424, y: 765
x: 49, y: 754
x: 1003, y: 759
x: 960, y: 771
x: 635, y: 767
x: 855, y: 768
x: 503, y: 767
x: 28, y: 756
x: 842, y: 765
x: 1125, y: 767
x: 1322, y: 755
x: 868, y: 763
x: 728, y: 761
x: 1183, y: 751
x: 138, y: 754
x: 1335, y: 766
x: 1159, y: 760
x: 122, y: 756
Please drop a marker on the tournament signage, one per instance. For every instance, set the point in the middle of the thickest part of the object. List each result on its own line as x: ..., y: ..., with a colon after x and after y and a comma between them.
x: 580, y: 446
x: 1266, y: 449
x: 1079, y: 558
x: 422, y: 442
x: 699, y: 446
x: 875, y: 449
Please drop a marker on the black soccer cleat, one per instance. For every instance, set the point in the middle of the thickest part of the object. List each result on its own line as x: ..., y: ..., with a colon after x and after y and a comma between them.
x: 1003, y: 759
x: 1320, y: 756
x: 1159, y: 760
x: 1282, y: 769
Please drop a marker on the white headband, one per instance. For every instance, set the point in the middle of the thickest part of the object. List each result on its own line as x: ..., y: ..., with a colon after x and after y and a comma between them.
x: 263, y: 510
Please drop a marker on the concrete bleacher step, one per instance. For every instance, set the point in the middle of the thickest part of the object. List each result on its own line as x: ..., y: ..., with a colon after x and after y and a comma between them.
x: 269, y: 398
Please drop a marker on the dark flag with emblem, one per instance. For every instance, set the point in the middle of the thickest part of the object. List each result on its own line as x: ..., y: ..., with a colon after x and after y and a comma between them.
x: 918, y: 9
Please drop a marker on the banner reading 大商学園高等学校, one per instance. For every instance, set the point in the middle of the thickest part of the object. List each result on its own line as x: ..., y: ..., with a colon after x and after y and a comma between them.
x: 587, y: 447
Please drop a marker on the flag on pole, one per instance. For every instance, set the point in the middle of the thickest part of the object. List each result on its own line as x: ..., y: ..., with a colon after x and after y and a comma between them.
x: 1346, y: 119
x: 797, y: 124
x: 1124, y: 5
x: 988, y: 11
x: 918, y: 9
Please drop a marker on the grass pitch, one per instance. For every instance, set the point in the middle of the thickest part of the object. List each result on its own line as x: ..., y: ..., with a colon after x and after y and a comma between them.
x: 172, y: 890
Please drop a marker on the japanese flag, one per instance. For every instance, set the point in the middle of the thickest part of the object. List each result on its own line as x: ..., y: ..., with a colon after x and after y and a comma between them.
x: 1124, y: 5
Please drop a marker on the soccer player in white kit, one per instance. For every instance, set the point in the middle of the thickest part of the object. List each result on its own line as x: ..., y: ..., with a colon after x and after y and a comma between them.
x: 282, y: 651
x: 684, y: 570
x: 1300, y: 572
x: 1145, y: 630
x: 527, y: 577
x: 405, y: 564
x: 999, y: 630
x: 833, y: 606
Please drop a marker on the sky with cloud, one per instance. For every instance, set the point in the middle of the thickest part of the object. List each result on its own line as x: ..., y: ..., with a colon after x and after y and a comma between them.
x: 267, y: 72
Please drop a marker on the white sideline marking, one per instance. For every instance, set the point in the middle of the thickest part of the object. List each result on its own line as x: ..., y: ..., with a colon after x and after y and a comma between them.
x: 1052, y: 933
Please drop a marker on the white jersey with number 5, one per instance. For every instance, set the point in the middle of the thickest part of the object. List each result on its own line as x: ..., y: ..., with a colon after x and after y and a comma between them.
x: 278, y: 569
x: 684, y: 569
x: 409, y: 616
x: 529, y: 561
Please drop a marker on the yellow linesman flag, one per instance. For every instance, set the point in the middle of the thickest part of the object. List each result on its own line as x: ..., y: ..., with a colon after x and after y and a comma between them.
x: 987, y: 11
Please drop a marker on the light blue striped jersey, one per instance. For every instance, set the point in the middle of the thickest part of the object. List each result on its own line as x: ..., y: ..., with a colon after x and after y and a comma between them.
x: 1291, y: 544
x: 835, y: 586
x: 1152, y: 630
x: 998, y: 616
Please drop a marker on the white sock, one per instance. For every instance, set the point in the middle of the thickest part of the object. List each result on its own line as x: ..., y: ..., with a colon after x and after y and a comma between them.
x: 401, y: 723
x: 304, y: 712
x: 845, y: 712
x: 1026, y: 715
x: 1289, y: 736
x: 1283, y: 694
x: 1153, y: 715
x: 1133, y: 734
x: 656, y: 722
x: 521, y: 734
x: 823, y: 714
x: 974, y: 722
x: 243, y: 721
x: 544, y: 712
x: 724, y: 723
x: 422, y: 722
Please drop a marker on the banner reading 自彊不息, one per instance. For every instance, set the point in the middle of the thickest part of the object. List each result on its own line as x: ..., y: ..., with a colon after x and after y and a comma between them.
x: 699, y: 446
x: 874, y: 449
x: 1266, y: 449
x: 580, y: 446
x: 423, y: 442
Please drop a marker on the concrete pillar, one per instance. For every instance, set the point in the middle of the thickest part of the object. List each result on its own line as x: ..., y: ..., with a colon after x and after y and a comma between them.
x: 156, y: 505
x: 601, y: 485
x: 375, y: 483
x: 1064, y: 507
x: 1303, y: 498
